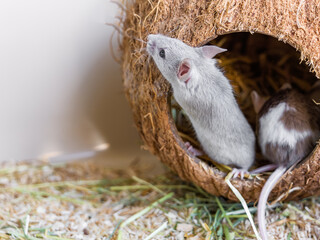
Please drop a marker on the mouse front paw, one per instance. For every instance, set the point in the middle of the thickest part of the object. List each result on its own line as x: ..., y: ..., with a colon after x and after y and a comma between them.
x: 193, y: 151
x: 239, y: 173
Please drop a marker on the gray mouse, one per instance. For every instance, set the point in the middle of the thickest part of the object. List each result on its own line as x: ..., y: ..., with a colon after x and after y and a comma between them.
x: 207, y: 97
x: 287, y: 131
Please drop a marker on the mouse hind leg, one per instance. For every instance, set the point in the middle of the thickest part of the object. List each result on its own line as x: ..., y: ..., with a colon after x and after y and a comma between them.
x: 192, y: 150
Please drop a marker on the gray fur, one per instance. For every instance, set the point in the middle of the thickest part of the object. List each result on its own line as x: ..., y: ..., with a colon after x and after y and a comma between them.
x: 208, y: 100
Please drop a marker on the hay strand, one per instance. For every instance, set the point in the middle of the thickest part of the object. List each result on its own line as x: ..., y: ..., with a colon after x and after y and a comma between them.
x: 244, y: 204
x: 142, y: 212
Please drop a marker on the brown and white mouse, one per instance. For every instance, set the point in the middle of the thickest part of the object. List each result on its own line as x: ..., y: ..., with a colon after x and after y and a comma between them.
x: 287, y: 131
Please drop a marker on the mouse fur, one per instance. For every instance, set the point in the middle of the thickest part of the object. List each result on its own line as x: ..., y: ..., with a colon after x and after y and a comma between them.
x: 287, y: 129
x: 207, y: 97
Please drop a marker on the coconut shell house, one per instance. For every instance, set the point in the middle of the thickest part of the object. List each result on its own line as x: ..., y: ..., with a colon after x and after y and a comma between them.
x: 276, y: 25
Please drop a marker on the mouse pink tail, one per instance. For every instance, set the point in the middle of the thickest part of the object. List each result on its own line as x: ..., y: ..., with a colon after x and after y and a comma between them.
x: 267, y: 188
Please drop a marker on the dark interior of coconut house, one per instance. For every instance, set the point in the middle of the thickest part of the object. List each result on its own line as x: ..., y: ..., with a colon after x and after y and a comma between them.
x: 253, y: 62
x: 154, y: 120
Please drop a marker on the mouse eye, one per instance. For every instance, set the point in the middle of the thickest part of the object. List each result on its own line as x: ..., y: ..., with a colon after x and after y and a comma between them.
x: 162, y: 53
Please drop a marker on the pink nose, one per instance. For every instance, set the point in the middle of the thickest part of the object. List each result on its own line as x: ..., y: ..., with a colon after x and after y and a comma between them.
x: 151, y: 46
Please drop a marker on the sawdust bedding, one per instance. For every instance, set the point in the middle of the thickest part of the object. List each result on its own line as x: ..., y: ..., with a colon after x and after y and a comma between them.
x: 83, y: 200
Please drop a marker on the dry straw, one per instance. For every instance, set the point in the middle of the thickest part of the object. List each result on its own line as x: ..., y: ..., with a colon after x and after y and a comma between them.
x: 296, y: 23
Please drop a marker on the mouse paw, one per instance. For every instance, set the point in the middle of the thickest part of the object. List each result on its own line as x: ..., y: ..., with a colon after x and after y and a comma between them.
x: 239, y: 172
x: 195, y: 152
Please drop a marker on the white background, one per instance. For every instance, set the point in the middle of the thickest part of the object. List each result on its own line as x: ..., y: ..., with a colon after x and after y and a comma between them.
x: 60, y: 89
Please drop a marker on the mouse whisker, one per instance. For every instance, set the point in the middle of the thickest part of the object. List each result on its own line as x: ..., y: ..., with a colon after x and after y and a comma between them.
x: 117, y: 28
x: 143, y: 49
x: 140, y: 40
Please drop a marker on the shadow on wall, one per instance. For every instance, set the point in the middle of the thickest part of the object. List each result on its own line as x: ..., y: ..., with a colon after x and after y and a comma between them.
x: 107, y: 109
x: 61, y: 94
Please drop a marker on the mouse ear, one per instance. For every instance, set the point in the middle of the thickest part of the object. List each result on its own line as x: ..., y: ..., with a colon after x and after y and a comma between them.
x: 257, y: 101
x: 210, y: 51
x: 285, y: 86
x: 184, y: 70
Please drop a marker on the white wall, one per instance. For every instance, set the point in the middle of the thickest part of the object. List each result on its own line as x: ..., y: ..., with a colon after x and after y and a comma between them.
x: 60, y: 90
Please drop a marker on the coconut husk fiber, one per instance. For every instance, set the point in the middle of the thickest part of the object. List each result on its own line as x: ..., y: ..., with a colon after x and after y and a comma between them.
x: 198, y: 22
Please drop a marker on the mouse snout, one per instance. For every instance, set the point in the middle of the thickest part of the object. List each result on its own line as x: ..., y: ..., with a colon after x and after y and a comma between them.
x: 151, y: 46
x: 151, y: 37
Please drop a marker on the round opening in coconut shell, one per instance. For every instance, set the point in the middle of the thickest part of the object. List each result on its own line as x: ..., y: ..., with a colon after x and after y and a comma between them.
x: 253, y: 62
